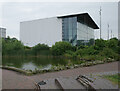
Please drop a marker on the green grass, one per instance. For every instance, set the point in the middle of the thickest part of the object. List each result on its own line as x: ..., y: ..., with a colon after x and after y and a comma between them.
x: 114, y: 78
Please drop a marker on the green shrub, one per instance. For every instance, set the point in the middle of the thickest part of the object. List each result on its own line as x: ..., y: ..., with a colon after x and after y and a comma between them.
x: 37, y: 49
x: 81, y: 47
x: 11, y: 46
x: 60, y: 48
x: 87, y: 51
x: 80, y: 52
x: 91, y: 51
x: 113, y: 44
x: 100, y: 44
x: 107, y: 52
x: 89, y: 57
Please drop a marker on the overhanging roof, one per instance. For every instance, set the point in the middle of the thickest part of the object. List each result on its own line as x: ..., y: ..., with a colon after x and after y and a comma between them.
x: 83, y: 18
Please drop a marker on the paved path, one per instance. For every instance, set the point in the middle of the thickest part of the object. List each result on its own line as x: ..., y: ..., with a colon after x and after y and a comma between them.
x: 13, y: 80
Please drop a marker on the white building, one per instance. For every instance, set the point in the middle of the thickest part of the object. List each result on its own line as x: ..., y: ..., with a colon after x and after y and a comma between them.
x: 3, y: 32
x: 75, y: 28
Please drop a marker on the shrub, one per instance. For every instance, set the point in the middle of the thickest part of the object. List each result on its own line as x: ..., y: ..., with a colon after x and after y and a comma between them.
x: 11, y: 46
x: 113, y: 44
x: 91, y: 51
x: 87, y: 51
x: 60, y: 48
x: 81, y: 47
x: 39, y: 47
x: 80, y: 52
x: 100, y: 44
x: 89, y: 57
x: 107, y: 52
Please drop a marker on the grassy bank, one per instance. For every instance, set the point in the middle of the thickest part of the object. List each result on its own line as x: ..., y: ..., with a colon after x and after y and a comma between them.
x: 115, y: 79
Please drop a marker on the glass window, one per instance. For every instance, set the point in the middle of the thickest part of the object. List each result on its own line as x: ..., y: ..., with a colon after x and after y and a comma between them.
x: 69, y: 29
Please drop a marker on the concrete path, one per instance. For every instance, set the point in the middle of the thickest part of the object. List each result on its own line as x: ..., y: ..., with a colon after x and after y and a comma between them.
x: 14, y: 80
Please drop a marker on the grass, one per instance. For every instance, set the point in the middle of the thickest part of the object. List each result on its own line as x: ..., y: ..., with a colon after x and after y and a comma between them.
x: 115, y: 79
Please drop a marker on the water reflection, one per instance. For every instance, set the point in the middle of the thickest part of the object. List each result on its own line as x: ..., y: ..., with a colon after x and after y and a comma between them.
x: 32, y: 63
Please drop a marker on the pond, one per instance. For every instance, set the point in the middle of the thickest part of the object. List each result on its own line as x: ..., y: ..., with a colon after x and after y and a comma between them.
x: 32, y: 63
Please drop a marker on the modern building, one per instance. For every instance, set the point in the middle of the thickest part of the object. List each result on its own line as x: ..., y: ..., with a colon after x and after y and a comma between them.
x: 3, y: 32
x: 74, y: 28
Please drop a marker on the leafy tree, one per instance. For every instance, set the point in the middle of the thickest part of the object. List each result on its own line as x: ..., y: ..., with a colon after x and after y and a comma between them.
x: 107, y: 52
x: 113, y: 44
x: 100, y: 44
x: 39, y: 47
x: 60, y: 48
x: 12, y: 46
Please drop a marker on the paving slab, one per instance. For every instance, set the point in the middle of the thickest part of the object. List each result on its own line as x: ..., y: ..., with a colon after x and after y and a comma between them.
x: 68, y: 83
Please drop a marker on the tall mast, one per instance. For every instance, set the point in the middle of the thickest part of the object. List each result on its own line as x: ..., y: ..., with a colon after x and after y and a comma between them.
x: 111, y: 33
x: 108, y: 31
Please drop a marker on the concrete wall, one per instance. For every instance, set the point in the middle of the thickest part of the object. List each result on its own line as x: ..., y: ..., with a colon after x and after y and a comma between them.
x: 47, y: 31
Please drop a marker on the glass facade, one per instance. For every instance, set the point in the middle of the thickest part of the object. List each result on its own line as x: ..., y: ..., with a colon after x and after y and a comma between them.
x: 75, y: 32
x: 69, y: 30
x: 84, y: 34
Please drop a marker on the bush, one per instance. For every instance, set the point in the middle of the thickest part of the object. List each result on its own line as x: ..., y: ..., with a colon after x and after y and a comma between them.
x: 107, y: 52
x: 70, y: 53
x: 60, y: 48
x: 91, y: 51
x: 100, y: 44
x: 89, y: 57
x: 81, y: 47
x: 87, y: 51
x: 11, y: 46
x: 37, y: 49
x: 113, y: 44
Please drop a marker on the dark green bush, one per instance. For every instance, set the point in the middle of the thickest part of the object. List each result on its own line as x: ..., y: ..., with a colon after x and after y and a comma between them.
x: 100, y: 44
x: 11, y: 46
x: 113, y: 44
x: 70, y: 53
x: 107, y: 52
x: 60, y: 48
x: 39, y: 48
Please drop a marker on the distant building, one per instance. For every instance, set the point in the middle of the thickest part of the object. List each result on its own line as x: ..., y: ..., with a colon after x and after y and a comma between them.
x: 74, y: 28
x: 3, y: 32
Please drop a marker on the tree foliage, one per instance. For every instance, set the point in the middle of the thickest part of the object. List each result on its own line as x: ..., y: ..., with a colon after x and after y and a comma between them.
x: 12, y: 47
x: 60, y: 48
x: 39, y: 47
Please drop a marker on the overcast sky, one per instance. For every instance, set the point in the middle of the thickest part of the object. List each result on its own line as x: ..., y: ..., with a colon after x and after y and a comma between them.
x: 14, y: 13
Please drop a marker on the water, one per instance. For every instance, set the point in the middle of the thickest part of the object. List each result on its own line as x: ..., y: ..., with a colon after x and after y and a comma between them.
x: 32, y: 63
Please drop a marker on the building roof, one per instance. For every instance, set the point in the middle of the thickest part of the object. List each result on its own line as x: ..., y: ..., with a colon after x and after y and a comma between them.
x: 83, y: 18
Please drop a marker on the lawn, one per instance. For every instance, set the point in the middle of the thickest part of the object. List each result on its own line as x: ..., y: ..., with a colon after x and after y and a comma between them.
x: 114, y: 78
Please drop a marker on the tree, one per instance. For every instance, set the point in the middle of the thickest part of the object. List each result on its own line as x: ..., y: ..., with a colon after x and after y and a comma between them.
x: 113, y: 44
x: 60, y: 48
x: 39, y: 47
x: 100, y: 44
x: 12, y: 47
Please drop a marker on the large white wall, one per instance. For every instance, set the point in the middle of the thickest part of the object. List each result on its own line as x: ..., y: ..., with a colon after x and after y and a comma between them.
x: 47, y: 31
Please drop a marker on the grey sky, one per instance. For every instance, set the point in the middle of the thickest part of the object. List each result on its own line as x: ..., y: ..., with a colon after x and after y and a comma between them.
x: 14, y: 13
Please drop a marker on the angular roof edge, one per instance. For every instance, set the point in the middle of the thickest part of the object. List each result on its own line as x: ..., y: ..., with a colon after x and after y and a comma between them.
x: 89, y: 21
